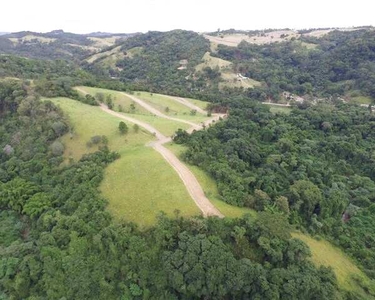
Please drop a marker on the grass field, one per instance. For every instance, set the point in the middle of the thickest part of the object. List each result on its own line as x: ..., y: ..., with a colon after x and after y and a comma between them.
x: 280, y: 109
x: 212, y: 62
x: 325, y: 254
x: 175, y: 109
x: 159, y: 102
x: 201, y: 104
x: 28, y: 38
x: 166, y: 127
x: 139, y: 184
x: 118, y: 99
x: 229, y: 78
x: 361, y: 100
x: 210, y: 188
x: 88, y: 121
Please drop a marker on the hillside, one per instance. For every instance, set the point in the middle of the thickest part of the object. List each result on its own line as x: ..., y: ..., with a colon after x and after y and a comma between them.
x: 56, y: 44
x: 178, y: 165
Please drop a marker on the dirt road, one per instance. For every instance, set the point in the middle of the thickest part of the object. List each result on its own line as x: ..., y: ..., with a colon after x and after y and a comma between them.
x: 191, y: 183
x: 156, y: 112
x: 187, y: 103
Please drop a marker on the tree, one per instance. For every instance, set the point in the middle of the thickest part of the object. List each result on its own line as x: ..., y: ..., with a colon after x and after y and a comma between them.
x: 123, y: 128
x: 306, y: 198
x: 282, y: 204
x: 57, y: 148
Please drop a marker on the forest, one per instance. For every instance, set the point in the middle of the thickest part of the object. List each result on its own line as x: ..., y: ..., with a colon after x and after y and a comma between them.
x: 310, y: 170
x: 314, y: 165
x: 59, y: 241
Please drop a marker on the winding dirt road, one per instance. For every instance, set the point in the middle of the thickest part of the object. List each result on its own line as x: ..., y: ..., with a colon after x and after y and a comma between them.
x: 191, y: 183
x: 156, y: 112
x: 187, y: 103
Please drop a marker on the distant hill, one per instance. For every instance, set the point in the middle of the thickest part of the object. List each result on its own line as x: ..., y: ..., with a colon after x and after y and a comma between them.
x: 57, y: 44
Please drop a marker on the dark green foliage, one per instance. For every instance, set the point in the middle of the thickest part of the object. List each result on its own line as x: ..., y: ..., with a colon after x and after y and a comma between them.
x: 156, y: 66
x: 292, y: 164
x: 123, y: 128
x: 58, y: 241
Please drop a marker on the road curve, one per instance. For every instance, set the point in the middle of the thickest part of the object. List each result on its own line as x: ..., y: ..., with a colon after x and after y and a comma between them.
x: 187, y: 103
x: 156, y: 112
x: 191, y: 183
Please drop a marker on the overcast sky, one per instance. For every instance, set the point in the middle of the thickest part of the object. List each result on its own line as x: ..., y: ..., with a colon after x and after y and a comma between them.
x: 84, y: 16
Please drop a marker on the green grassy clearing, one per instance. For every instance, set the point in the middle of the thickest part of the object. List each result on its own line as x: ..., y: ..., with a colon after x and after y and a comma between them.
x: 201, y: 104
x: 119, y: 99
x: 361, y: 100
x: 212, y: 62
x: 280, y: 109
x: 88, y: 121
x: 158, y: 101
x: 141, y: 184
x: 166, y: 127
x: 325, y: 254
x: 210, y: 188
x: 138, y: 185
x: 170, y: 107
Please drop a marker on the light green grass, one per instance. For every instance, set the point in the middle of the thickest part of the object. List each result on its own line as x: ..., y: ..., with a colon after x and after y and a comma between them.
x: 201, y: 104
x: 325, y: 254
x: 141, y: 184
x: 212, y: 62
x: 210, y: 188
x: 118, y: 99
x: 165, y: 126
x: 309, y: 46
x: 161, y: 102
x: 138, y: 185
x: 280, y: 109
x: 228, y: 76
x: 361, y: 100
x: 231, y: 80
x: 88, y: 121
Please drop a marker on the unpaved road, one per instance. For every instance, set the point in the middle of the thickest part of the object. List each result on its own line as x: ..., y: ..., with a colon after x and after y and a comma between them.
x: 191, y: 183
x: 156, y: 112
x: 188, y: 104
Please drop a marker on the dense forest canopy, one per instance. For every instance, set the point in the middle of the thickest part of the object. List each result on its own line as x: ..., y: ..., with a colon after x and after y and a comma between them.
x: 314, y: 165
x: 57, y: 239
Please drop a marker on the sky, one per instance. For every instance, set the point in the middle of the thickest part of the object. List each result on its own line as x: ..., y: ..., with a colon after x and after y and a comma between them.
x: 123, y: 16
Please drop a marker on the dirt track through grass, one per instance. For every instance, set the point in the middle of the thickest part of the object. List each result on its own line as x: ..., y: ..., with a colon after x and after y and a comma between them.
x: 191, y: 183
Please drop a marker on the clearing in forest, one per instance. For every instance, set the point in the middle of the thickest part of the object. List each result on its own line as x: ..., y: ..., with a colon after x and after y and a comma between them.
x: 228, y: 76
x: 139, y: 167
x: 325, y: 254
x: 135, y: 184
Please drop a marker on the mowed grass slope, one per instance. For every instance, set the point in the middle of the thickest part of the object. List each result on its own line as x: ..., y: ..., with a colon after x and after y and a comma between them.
x: 325, y: 254
x: 140, y: 183
x: 87, y: 121
x: 118, y: 98
x: 170, y: 107
x: 165, y: 126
